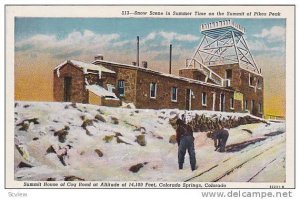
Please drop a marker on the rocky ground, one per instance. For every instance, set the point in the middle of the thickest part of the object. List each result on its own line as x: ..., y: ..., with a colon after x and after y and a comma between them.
x: 65, y: 141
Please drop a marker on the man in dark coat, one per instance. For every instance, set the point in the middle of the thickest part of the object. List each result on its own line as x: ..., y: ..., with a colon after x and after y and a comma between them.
x: 185, y: 140
x: 220, y: 137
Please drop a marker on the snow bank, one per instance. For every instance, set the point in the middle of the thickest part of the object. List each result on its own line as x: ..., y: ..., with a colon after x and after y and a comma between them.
x: 100, y: 143
x: 100, y: 91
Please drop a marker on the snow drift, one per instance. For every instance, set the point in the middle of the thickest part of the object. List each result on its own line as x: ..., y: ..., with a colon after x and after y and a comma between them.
x: 65, y: 141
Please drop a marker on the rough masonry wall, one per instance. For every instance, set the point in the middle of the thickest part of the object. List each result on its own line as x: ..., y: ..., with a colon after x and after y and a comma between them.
x: 252, y: 93
x: 240, y: 82
x: 137, y: 90
x: 108, y: 78
x: 163, y: 98
x: 78, y: 92
x: 236, y: 76
x: 92, y: 78
x: 127, y: 74
x: 192, y: 74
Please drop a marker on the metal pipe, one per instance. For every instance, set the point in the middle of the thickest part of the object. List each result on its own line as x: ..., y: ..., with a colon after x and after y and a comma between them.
x: 138, y: 51
x: 170, y: 60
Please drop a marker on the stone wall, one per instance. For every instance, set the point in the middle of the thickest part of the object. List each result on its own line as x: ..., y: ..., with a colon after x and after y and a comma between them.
x: 110, y: 102
x: 127, y: 74
x: 108, y: 78
x: 131, y: 85
x: 92, y: 78
x: 252, y: 93
x: 137, y: 87
x: 78, y: 92
x: 236, y: 76
x: 192, y: 74
x: 240, y: 82
x: 164, y: 86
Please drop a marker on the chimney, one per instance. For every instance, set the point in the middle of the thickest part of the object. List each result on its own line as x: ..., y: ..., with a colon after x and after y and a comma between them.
x: 170, y: 61
x: 99, y: 57
x: 145, y: 64
x: 138, y: 50
x: 134, y: 63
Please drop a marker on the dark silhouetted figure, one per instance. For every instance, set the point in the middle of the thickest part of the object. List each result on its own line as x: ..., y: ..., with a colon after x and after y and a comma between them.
x: 185, y: 140
x: 220, y: 137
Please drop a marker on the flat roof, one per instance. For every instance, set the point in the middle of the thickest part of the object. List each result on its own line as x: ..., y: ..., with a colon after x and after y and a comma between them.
x: 162, y: 74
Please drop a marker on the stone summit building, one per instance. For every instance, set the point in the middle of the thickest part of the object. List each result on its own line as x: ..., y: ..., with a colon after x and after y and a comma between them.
x: 221, y: 76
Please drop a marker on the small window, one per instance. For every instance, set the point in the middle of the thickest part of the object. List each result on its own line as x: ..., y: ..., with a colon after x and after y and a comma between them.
x: 153, y: 88
x: 231, y: 103
x: 246, y: 105
x: 251, y: 80
x: 121, y: 87
x: 174, y: 94
x: 204, y: 96
x: 228, y: 73
x: 252, y: 105
x: 260, y: 108
x: 259, y: 84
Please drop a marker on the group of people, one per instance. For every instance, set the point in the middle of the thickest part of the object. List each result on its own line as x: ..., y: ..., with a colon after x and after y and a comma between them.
x: 185, y: 141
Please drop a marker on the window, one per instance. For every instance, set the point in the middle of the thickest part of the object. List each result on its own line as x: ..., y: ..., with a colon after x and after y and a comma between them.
x: 251, y: 80
x: 153, y: 88
x: 260, y: 108
x: 259, y: 84
x: 252, y: 105
x: 204, y: 96
x: 231, y: 103
x: 228, y: 73
x: 174, y: 94
x: 121, y: 87
x: 246, y: 105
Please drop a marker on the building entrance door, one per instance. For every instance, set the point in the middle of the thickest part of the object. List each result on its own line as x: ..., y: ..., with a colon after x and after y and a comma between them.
x: 67, y: 89
x: 188, y: 99
x: 222, y: 102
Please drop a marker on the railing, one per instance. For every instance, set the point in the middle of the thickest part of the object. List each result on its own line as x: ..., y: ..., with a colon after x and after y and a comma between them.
x: 207, y: 71
x: 227, y: 82
x: 221, y: 24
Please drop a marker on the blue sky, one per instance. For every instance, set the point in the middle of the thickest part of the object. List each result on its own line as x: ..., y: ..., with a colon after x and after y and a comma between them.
x: 26, y: 27
x: 82, y: 38
x: 127, y: 29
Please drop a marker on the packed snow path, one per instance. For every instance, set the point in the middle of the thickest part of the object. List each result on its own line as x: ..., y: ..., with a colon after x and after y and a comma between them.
x: 64, y: 141
x: 259, y: 163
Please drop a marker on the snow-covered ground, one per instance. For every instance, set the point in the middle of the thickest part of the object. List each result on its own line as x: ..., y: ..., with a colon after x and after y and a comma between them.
x: 100, y: 143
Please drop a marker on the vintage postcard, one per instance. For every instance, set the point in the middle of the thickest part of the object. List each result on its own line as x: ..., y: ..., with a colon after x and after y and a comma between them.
x: 150, y: 96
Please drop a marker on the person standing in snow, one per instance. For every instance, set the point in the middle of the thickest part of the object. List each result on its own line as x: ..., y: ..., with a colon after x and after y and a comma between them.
x: 185, y: 140
x: 220, y: 137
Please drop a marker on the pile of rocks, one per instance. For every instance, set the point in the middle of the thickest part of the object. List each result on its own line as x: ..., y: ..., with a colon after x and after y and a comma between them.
x: 202, y: 123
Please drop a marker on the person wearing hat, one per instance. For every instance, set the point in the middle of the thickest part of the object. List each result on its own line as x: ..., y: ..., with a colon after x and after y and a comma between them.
x: 185, y: 140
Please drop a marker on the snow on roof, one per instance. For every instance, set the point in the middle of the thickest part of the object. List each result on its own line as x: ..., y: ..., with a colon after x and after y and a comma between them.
x: 162, y: 74
x: 85, y: 66
x: 100, y: 91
